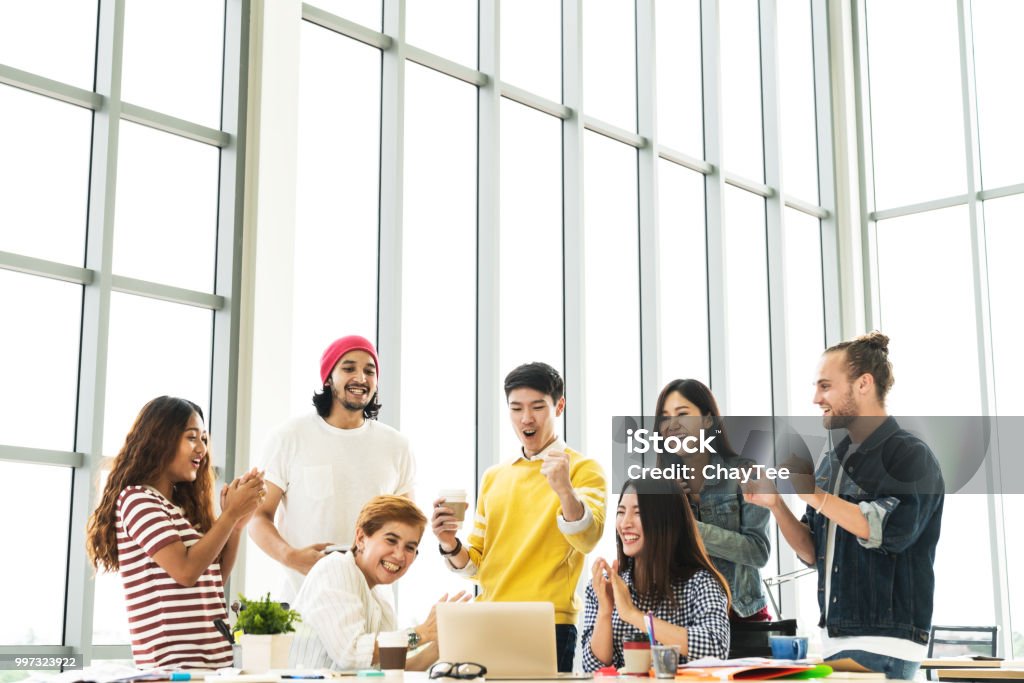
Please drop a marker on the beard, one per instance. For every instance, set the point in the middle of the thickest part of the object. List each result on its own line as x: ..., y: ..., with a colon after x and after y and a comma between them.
x: 843, y: 414
x: 351, y: 406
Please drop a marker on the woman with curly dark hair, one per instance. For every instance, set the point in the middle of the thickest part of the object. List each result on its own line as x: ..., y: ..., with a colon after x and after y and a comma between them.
x: 155, y: 525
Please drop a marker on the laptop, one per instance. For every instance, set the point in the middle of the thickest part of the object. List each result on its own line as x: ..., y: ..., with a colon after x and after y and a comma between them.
x: 514, y: 640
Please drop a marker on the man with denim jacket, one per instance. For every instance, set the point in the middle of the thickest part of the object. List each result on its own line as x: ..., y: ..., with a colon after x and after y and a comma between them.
x: 873, y: 517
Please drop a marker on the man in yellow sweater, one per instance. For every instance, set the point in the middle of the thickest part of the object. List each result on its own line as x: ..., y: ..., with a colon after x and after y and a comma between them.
x: 537, y: 515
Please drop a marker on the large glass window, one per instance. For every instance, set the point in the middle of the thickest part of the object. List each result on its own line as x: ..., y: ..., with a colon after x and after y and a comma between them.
x: 680, y: 100
x: 83, y: 196
x: 742, y: 140
x: 438, y: 300
x: 531, y: 46
x: 917, y: 37
x: 805, y: 311
x: 747, y: 342
x: 796, y: 87
x: 52, y: 38
x: 609, y: 62
x: 44, y: 185
x: 39, y: 361
x: 336, y: 233
x: 33, y: 591
x: 531, y: 288
x: 163, y: 72
x: 611, y: 291
x: 999, y: 55
x: 917, y: 292
x: 166, y: 216
x: 683, y: 275
x: 447, y: 29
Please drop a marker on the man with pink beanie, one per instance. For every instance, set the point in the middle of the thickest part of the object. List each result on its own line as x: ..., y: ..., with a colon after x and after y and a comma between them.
x: 322, y: 468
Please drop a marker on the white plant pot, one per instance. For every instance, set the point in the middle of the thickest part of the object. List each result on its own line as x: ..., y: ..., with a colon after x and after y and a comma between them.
x: 262, y: 653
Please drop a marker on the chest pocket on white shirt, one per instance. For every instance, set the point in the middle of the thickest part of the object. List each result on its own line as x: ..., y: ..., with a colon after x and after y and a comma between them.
x: 318, y: 482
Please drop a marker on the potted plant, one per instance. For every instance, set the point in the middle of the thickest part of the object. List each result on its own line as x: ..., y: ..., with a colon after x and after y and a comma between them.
x: 267, y: 628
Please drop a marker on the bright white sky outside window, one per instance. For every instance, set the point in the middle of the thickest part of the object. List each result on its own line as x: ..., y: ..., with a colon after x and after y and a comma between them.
x: 162, y: 71
x: 531, y: 46
x: 747, y: 348
x: 531, y: 287
x: 609, y: 62
x: 439, y: 252
x: 45, y: 147
x: 445, y: 28
x: 611, y: 297
x: 679, y: 80
x: 682, y: 275
x: 916, y: 113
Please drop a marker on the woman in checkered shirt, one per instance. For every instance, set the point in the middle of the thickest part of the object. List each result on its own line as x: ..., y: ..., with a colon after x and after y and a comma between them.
x: 663, y: 568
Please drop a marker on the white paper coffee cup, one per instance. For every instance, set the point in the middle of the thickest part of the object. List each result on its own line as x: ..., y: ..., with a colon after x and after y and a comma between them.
x: 457, y: 500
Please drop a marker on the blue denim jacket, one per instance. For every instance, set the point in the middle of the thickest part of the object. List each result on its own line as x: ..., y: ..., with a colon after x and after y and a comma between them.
x: 735, y: 534
x: 882, y: 586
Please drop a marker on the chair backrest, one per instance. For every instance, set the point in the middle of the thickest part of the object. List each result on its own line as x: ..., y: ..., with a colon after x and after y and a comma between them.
x: 952, y: 641
x: 750, y: 638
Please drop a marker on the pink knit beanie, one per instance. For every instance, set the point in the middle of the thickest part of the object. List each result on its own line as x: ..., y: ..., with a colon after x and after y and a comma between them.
x: 342, y: 346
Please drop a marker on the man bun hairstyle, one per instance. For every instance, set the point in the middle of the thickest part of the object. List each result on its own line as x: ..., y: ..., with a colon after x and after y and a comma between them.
x: 868, y: 354
x: 538, y: 376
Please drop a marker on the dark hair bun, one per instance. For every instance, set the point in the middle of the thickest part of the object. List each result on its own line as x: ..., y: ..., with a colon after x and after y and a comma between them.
x: 876, y: 340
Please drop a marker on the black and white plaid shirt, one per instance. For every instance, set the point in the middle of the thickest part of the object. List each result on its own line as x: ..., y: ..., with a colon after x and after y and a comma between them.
x: 699, y: 604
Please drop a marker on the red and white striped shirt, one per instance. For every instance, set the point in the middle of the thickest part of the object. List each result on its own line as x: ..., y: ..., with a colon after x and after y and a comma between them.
x: 171, y: 625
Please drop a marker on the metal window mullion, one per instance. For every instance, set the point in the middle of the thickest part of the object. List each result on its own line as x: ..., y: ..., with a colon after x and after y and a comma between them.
x: 774, y: 207
x: 40, y: 456
x: 535, y: 101
x: 647, y: 209
x: 983, y: 317
x: 223, y: 414
x: 350, y: 29
x: 488, y: 239
x: 48, y: 87
x: 444, y: 66
x: 156, y: 290
x: 173, y: 125
x: 30, y: 265
x: 389, y: 253
x: 685, y: 160
x: 714, y: 197
x: 865, y: 166
x: 573, y: 302
x: 78, y: 607
x: 825, y: 95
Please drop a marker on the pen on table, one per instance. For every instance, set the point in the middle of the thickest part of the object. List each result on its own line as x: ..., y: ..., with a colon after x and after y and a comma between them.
x: 302, y: 676
x: 224, y: 630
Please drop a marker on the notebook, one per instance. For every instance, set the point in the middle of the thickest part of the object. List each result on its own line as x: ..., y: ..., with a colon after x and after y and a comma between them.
x: 514, y: 640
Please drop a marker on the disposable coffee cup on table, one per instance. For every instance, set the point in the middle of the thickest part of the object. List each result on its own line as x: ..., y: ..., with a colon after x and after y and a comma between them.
x: 636, y: 657
x: 392, y: 647
x: 457, y: 501
x: 665, y: 659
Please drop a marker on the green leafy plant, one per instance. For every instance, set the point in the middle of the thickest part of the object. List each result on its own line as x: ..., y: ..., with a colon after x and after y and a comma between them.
x: 265, y: 617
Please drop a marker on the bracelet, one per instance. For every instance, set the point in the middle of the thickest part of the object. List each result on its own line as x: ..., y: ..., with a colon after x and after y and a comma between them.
x: 453, y: 551
x: 824, y: 502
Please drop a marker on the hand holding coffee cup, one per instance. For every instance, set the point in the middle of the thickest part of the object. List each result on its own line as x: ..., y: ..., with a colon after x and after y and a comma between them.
x: 455, y: 499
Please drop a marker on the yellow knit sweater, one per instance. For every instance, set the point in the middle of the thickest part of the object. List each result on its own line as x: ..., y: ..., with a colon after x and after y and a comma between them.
x: 522, y: 548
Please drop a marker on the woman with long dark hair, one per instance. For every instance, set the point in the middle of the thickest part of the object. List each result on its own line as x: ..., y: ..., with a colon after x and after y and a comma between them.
x: 155, y: 525
x: 662, y: 568
x: 734, y: 532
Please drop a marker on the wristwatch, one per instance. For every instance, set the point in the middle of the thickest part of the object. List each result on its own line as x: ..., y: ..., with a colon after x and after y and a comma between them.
x: 453, y: 551
x: 414, y: 639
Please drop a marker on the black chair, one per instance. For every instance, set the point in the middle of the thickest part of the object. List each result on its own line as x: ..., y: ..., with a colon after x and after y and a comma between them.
x: 750, y: 638
x: 953, y: 641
